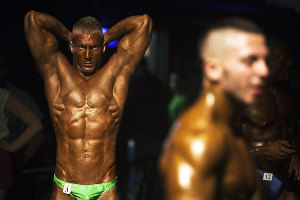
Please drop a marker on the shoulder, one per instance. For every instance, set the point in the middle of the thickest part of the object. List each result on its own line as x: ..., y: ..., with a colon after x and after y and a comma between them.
x: 200, y: 146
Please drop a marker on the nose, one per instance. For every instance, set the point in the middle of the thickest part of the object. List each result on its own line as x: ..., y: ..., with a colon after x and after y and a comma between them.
x: 87, y: 55
x: 261, y: 68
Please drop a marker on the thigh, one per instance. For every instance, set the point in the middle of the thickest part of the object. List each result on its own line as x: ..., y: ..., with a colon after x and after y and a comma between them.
x: 111, y: 194
x: 57, y: 194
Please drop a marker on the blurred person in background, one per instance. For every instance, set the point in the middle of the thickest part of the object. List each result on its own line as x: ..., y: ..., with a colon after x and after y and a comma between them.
x: 205, y: 156
x: 10, y: 104
x: 269, y: 130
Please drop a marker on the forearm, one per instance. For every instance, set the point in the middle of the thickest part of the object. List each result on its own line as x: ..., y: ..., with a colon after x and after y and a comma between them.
x: 26, y: 136
x: 48, y: 23
x: 126, y: 26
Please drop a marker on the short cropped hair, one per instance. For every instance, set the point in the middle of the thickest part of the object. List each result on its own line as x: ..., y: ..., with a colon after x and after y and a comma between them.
x: 87, y: 24
x: 236, y: 23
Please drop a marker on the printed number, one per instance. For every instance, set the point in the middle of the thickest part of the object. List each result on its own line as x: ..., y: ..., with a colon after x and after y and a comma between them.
x: 268, y: 176
x: 67, y: 188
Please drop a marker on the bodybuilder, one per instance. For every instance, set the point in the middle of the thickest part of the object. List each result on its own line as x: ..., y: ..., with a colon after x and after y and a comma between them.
x: 205, y: 157
x: 266, y: 128
x: 86, y: 99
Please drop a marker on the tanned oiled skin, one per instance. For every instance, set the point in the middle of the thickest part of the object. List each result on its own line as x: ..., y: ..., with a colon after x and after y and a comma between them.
x: 86, y: 101
x: 266, y: 131
x: 205, y: 156
x: 222, y: 159
x: 266, y: 124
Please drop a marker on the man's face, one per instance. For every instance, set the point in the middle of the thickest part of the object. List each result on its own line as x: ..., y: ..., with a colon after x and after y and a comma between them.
x: 87, y: 52
x: 244, y: 67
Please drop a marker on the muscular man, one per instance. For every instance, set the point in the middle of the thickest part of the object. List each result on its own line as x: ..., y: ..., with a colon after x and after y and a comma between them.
x: 266, y: 129
x: 205, y: 157
x: 86, y: 99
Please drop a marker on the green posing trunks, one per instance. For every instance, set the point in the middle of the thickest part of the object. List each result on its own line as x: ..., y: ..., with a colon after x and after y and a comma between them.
x: 84, y: 192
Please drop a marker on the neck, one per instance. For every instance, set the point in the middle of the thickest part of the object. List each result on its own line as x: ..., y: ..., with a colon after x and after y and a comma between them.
x: 225, y: 108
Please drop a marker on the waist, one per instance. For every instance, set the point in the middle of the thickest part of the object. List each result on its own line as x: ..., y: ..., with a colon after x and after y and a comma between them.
x: 93, y: 175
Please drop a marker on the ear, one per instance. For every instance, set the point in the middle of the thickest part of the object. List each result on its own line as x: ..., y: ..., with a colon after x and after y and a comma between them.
x: 212, y: 69
x: 72, y: 49
x: 104, y: 48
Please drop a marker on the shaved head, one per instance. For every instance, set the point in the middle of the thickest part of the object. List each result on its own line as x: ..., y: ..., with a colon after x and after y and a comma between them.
x: 87, y: 25
x: 219, y: 43
x: 221, y: 38
x: 233, y: 53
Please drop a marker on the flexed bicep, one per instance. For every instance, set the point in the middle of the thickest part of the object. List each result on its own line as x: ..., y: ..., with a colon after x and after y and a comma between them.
x: 41, y: 33
x: 135, y: 35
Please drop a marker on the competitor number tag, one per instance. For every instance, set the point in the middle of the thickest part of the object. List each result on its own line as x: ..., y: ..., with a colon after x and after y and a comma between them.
x: 67, y: 188
x: 268, y: 176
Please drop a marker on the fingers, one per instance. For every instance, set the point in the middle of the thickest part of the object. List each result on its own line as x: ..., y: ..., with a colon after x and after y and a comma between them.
x: 115, y: 114
x: 294, y: 170
x: 287, y: 151
x: 283, y: 148
x: 284, y: 142
x: 113, y: 108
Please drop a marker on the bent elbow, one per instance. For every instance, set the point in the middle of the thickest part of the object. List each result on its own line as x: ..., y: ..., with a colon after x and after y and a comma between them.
x: 29, y: 18
x: 38, y: 126
x: 146, y: 22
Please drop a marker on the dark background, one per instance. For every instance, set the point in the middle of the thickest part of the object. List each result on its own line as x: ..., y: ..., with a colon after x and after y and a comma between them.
x: 182, y: 20
x: 145, y: 116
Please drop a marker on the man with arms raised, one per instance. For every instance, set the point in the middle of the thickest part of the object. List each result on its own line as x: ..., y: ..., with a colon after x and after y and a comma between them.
x: 205, y: 157
x: 86, y: 100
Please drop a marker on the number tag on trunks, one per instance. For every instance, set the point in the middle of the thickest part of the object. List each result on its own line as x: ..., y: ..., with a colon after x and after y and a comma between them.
x: 67, y: 188
x: 268, y: 176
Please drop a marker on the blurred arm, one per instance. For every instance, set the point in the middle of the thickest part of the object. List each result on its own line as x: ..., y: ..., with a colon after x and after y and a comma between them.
x: 27, y: 116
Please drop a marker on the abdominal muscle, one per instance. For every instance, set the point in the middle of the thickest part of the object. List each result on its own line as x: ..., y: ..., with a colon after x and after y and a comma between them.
x: 85, y: 146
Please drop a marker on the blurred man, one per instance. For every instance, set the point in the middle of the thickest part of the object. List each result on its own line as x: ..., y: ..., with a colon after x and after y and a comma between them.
x: 267, y: 128
x: 86, y: 99
x: 205, y: 156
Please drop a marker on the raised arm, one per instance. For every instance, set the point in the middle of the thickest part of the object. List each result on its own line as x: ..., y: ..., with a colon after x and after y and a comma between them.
x: 28, y: 117
x: 135, y: 35
x: 42, y: 32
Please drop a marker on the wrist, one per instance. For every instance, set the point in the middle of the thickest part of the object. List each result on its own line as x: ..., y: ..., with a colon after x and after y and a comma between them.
x: 12, y: 147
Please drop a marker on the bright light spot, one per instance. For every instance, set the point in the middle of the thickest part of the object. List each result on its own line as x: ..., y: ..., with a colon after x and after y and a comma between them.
x: 113, y: 43
x: 197, y: 147
x: 104, y: 29
x: 185, y: 173
x: 210, y: 99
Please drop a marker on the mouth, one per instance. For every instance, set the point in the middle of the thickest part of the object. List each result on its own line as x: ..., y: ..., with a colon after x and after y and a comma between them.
x: 257, y: 89
x: 87, y: 65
